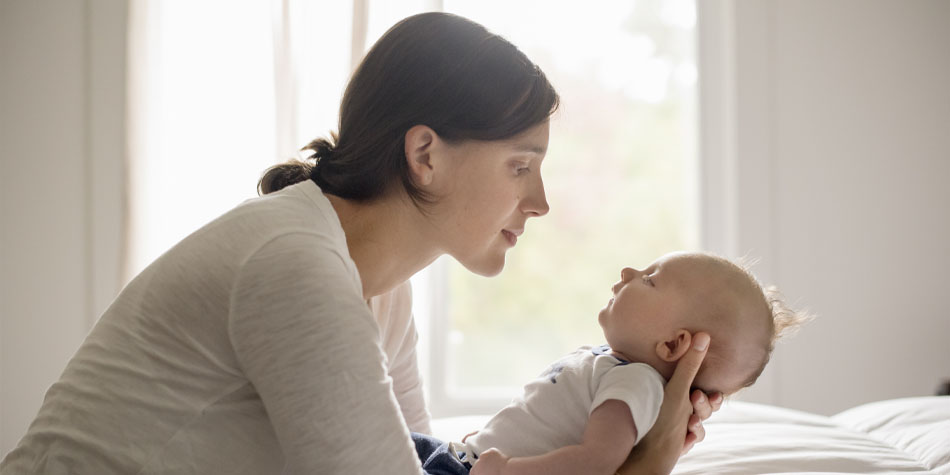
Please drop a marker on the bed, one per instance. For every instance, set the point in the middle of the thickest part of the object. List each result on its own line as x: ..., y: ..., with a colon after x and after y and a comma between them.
x: 909, y: 435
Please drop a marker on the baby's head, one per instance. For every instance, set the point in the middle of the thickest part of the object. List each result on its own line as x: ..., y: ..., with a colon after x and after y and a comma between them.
x: 655, y: 311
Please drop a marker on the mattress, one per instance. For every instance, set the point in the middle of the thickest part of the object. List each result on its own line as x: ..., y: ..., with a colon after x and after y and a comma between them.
x: 895, y: 436
x: 909, y: 435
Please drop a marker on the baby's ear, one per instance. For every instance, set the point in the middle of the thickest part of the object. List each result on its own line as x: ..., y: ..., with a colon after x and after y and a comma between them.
x: 672, y: 349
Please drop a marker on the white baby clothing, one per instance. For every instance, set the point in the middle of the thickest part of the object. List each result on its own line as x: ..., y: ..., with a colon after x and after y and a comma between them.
x: 553, y: 410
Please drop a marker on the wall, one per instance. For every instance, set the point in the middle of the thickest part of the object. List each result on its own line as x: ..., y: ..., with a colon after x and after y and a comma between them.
x: 62, y: 68
x: 828, y: 133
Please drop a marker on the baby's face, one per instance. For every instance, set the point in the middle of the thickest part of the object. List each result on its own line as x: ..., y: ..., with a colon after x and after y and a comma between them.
x: 651, y: 309
x: 647, y: 306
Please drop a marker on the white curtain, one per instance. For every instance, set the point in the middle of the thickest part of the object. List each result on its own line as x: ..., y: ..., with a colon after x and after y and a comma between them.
x: 220, y: 90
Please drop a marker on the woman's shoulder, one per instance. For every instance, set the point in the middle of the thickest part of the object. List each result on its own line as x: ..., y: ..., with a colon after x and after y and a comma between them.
x: 299, y: 209
x: 293, y: 227
x: 302, y: 205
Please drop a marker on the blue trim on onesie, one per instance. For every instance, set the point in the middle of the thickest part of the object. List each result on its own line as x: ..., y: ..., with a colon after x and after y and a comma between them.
x: 604, y: 350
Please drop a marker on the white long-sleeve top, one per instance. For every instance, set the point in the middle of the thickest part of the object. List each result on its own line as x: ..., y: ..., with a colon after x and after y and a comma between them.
x: 247, y: 348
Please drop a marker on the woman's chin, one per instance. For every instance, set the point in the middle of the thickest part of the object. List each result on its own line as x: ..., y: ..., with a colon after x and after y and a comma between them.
x: 485, y: 267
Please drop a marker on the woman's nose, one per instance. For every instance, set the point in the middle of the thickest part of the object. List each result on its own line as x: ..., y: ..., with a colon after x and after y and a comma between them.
x: 536, y: 203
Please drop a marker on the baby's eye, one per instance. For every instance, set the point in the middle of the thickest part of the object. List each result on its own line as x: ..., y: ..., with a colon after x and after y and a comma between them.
x: 647, y: 280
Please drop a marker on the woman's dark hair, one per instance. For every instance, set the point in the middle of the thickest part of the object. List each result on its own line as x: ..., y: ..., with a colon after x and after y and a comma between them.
x: 435, y: 69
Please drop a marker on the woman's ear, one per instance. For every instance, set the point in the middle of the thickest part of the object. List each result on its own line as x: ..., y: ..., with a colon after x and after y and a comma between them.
x: 420, y: 140
x: 674, y: 348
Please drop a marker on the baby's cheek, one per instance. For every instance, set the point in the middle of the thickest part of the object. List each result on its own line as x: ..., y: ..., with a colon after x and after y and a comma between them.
x: 707, y: 379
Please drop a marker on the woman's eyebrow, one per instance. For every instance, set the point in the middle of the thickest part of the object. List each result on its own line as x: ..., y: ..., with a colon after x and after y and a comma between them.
x: 535, y: 149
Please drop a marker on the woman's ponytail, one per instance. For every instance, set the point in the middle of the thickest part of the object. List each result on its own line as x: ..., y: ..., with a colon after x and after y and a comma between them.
x: 284, y: 174
x: 292, y: 172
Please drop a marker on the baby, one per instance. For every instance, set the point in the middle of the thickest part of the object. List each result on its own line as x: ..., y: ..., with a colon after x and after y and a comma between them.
x: 587, y: 410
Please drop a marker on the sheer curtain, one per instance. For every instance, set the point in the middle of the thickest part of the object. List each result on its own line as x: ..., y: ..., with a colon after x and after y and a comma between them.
x: 220, y: 90
x: 202, y: 116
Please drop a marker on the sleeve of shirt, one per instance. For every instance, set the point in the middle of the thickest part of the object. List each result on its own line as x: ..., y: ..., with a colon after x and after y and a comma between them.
x: 639, y: 386
x: 404, y: 364
x: 308, y: 343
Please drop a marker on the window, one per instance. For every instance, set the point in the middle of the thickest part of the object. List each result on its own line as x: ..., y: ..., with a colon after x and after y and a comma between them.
x: 621, y: 179
x: 217, y: 97
x: 202, y: 117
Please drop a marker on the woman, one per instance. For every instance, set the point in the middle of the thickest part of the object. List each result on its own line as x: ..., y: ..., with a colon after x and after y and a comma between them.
x: 249, y: 347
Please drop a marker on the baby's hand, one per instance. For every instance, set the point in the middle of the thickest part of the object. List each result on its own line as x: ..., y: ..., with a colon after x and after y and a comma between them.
x: 490, y: 462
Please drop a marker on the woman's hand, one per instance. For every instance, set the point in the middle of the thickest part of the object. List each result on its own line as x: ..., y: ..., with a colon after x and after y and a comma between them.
x: 703, y: 407
x: 678, y: 427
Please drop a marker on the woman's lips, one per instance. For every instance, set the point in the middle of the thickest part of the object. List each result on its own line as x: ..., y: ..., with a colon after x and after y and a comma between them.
x: 512, y: 235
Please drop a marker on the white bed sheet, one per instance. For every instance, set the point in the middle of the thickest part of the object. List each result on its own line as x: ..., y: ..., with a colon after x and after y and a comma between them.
x: 897, y: 436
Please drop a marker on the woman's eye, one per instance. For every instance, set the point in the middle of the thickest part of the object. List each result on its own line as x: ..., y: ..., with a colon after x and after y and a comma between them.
x: 521, y: 168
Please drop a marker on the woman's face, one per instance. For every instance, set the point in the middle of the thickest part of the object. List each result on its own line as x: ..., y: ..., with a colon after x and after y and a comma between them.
x: 488, y: 192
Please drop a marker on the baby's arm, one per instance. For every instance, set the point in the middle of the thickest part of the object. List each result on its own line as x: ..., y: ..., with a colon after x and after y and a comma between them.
x: 608, y: 439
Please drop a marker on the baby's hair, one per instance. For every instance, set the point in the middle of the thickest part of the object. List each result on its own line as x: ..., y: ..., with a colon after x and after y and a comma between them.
x: 784, y: 320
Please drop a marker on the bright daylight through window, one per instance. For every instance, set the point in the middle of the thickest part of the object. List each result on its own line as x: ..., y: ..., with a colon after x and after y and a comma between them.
x: 621, y: 180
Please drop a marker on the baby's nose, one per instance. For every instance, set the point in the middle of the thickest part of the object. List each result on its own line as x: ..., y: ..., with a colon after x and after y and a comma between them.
x: 627, y: 274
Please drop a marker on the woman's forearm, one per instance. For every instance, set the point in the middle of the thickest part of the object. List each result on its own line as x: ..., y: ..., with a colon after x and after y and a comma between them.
x: 659, y: 450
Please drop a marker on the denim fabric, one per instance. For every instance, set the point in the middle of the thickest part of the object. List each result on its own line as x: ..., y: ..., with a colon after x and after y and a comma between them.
x: 436, y: 457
